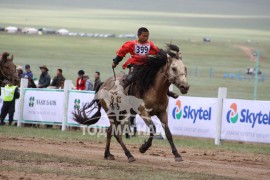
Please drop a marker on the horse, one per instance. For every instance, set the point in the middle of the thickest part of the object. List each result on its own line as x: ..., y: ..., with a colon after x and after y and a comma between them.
x: 8, y: 69
x: 151, y: 87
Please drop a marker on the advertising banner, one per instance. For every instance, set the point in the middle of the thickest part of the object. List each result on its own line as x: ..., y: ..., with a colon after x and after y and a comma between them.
x: 246, y: 120
x: 77, y: 99
x: 193, y: 116
x: 43, y: 105
x: 142, y: 126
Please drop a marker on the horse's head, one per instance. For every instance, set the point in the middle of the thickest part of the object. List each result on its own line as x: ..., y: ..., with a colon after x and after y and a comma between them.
x: 8, y: 68
x: 177, y: 71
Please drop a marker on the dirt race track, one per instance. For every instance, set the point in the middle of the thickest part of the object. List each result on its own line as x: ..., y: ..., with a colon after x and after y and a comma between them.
x: 217, y: 162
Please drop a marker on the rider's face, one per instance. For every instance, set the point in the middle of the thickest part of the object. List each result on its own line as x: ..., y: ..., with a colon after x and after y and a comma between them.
x: 143, y: 37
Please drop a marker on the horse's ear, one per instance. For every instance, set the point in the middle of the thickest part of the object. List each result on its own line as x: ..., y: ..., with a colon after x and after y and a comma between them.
x: 11, y: 57
x: 169, y: 58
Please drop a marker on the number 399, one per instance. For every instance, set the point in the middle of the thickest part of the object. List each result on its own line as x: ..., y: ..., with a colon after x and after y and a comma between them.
x: 142, y: 49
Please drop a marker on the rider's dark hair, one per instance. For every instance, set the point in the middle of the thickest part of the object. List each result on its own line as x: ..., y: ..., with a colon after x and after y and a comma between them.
x: 141, y: 30
x: 81, y: 72
x: 98, y: 73
x: 60, y: 70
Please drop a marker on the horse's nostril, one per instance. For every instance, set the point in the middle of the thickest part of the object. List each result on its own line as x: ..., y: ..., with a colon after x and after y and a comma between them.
x: 182, y: 87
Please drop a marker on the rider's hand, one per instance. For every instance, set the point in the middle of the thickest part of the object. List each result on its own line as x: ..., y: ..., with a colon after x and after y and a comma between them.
x: 114, y: 65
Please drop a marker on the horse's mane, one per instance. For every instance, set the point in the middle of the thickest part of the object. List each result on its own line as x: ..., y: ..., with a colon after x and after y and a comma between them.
x: 149, y: 70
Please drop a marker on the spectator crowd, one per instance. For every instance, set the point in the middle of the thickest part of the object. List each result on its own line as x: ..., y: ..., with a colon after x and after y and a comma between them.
x: 83, y: 81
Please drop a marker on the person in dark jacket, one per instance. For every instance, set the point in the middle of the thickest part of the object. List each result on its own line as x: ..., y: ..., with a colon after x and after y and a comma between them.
x: 58, y: 79
x: 28, y: 73
x: 44, y: 79
x: 11, y: 93
x: 97, y: 80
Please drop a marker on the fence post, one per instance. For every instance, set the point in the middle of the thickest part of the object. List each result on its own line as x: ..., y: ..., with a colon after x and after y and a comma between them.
x: 24, y: 84
x: 67, y: 87
x: 222, y: 93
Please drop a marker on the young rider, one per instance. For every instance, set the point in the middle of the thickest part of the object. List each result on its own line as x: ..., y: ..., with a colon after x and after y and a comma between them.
x: 138, y: 49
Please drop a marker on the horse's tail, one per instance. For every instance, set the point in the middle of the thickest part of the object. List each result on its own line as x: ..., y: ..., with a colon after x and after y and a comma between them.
x: 82, y: 115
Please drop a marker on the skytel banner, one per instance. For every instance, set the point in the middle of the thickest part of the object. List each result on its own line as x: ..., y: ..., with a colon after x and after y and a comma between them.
x: 193, y: 116
x: 246, y: 120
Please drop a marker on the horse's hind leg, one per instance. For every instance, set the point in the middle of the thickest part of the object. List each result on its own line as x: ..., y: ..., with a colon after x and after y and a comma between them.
x: 148, y: 143
x: 147, y: 119
x: 118, y: 137
x: 107, y: 154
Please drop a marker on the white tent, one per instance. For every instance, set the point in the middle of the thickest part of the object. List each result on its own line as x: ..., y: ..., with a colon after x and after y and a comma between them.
x: 11, y: 29
x: 62, y: 31
x: 28, y: 30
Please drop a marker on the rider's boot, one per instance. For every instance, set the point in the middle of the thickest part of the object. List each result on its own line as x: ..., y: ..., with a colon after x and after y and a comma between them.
x: 125, y: 83
x: 130, y: 77
x: 172, y: 94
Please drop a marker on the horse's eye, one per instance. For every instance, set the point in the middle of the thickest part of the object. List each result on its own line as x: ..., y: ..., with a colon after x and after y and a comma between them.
x: 174, y: 69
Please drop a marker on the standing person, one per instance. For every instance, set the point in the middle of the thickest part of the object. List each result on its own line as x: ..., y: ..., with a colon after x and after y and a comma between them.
x: 58, y: 79
x: 20, y: 72
x: 28, y: 73
x: 11, y: 93
x: 97, y: 80
x: 139, y: 50
x: 88, y: 83
x: 80, y: 83
x: 45, y: 78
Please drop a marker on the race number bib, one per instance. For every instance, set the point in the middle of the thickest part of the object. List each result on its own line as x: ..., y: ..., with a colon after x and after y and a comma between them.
x: 142, y: 49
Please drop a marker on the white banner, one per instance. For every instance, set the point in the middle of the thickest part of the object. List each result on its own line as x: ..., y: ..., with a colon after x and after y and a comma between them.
x: 246, y: 120
x: 44, y: 105
x: 142, y: 127
x: 17, y: 103
x: 77, y: 99
x: 193, y: 116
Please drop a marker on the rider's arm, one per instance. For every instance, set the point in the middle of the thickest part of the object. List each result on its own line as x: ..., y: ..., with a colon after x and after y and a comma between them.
x: 121, y: 53
x: 153, y: 48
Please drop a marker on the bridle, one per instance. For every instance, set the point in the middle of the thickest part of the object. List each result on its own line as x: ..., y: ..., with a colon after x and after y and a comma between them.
x: 166, y: 72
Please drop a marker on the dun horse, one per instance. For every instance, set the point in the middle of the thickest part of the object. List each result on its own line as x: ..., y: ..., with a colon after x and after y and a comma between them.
x: 151, y: 87
x: 8, y: 69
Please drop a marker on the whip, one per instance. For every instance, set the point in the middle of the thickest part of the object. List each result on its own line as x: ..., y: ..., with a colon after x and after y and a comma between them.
x: 114, y: 74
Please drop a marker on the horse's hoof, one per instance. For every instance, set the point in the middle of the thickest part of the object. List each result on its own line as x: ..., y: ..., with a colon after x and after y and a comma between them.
x: 131, y: 159
x: 110, y: 157
x: 178, y: 159
x: 142, y: 150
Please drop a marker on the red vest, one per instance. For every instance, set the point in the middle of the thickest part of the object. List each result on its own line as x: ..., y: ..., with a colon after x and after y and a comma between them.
x: 80, y: 84
x: 138, y: 52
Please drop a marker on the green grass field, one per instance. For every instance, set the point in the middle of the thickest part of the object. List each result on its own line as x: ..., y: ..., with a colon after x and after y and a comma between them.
x: 184, y: 26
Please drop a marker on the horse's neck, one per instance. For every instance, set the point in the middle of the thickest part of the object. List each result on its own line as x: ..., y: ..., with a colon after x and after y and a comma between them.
x: 162, y: 83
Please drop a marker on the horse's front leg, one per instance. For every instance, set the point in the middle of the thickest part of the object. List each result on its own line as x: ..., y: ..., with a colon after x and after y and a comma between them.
x: 164, y: 121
